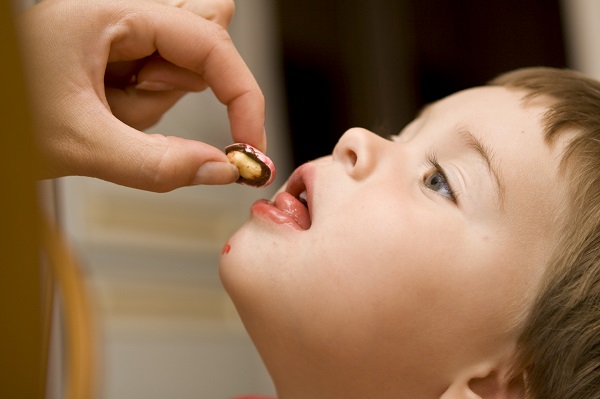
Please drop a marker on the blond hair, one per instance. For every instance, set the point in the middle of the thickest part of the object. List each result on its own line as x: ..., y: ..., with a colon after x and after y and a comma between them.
x: 559, y: 347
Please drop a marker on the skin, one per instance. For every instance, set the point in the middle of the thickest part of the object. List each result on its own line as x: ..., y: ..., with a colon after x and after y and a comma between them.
x: 396, y: 290
x: 100, y: 71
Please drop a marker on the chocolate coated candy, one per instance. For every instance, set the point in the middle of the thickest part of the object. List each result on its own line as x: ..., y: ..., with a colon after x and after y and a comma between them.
x: 256, y: 169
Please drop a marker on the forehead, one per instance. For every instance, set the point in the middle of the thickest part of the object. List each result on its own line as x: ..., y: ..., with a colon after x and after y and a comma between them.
x: 492, y: 102
x: 491, y: 112
x: 497, y: 116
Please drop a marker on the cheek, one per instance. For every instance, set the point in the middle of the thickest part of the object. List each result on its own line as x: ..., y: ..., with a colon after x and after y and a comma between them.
x: 381, y: 285
x: 389, y: 237
x: 395, y: 257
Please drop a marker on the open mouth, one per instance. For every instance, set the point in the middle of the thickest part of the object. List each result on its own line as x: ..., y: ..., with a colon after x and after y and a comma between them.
x: 295, y: 200
x: 292, y: 207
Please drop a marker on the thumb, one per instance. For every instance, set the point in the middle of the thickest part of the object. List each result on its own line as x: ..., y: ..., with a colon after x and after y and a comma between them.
x: 154, y: 162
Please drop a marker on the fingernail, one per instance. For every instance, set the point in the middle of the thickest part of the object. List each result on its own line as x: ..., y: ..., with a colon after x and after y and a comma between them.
x: 216, y: 173
x: 154, y: 86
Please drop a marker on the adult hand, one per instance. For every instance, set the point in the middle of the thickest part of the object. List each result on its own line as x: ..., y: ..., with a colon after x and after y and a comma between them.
x: 101, y: 69
x: 154, y: 73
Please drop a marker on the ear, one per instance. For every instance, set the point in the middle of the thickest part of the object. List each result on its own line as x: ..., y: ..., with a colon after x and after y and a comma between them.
x: 487, y: 382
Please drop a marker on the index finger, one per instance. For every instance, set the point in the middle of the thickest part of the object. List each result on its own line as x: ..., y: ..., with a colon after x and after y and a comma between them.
x: 219, y: 11
x: 206, y: 48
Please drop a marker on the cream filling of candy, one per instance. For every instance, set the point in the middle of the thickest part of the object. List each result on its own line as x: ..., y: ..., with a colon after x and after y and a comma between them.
x: 248, y: 167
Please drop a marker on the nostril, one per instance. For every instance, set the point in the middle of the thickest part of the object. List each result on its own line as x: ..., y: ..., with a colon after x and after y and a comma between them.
x: 355, y: 151
x: 352, y: 157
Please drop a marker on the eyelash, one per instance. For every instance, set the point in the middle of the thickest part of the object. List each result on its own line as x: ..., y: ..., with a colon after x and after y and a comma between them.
x: 437, y: 168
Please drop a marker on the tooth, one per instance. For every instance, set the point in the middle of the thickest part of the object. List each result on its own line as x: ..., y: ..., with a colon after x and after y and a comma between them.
x: 302, y: 198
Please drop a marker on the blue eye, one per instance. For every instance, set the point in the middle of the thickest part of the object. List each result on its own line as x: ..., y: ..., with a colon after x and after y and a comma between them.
x: 438, y: 182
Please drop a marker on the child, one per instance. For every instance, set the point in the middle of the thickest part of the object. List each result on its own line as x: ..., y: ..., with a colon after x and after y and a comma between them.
x: 458, y: 259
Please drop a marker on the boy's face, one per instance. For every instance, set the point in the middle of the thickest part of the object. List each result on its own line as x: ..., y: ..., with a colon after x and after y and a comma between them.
x: 421, y: 257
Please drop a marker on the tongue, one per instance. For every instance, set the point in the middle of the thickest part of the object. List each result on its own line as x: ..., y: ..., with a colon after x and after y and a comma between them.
x: 290, y: 205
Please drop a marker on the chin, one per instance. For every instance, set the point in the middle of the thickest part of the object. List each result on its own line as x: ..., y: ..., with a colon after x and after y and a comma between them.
x: 242, y: 269
x: 245, y: 279
x: 234, y: 261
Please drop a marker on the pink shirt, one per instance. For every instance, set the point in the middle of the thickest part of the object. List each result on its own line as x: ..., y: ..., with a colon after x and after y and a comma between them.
x: 253, y: 397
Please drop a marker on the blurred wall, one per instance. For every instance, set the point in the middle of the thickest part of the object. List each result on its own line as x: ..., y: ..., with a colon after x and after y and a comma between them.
x: 375, y: 63
x: 582, y: 29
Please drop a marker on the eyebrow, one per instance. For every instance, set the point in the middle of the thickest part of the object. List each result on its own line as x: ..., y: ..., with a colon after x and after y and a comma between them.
x: 487, y: 155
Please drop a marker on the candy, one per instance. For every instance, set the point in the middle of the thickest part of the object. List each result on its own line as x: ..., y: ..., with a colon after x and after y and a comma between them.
x: 256, y: 169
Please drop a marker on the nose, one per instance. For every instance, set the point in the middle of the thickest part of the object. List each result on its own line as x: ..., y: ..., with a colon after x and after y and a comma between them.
x: 358, y: 151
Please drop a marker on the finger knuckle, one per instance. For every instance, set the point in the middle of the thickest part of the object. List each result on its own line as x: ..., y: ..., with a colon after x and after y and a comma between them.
x: 157, y: 167
x: 221, y: 35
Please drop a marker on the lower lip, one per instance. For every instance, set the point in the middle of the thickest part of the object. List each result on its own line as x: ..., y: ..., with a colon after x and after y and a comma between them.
x: 264, y: 210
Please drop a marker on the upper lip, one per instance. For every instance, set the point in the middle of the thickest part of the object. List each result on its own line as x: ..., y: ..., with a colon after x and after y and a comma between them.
x: 299, y: 181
